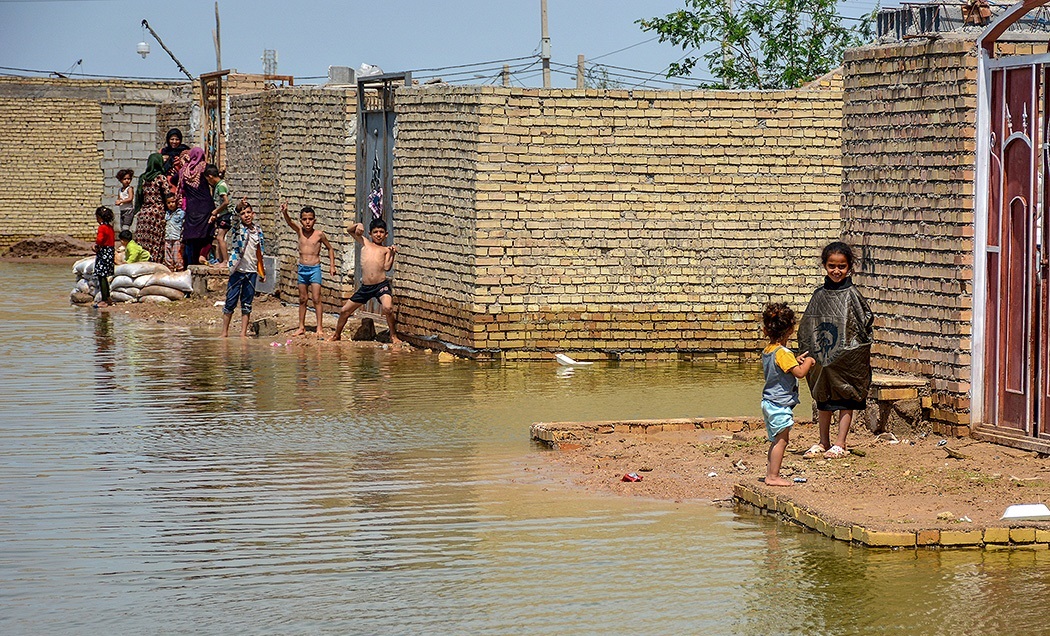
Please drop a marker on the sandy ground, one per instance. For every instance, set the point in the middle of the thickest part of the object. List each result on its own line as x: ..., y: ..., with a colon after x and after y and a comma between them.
x: 898, y: 484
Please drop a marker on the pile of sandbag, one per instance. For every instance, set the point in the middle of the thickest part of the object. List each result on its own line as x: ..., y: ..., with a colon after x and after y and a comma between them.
x: 131, y: 282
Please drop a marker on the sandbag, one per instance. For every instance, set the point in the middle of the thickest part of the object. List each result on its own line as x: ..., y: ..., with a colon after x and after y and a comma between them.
x: 82, y: 286
x: 135, y: 270
x: 121, y: 281
x: 84, y: 266
x: 161, y: 290
x: 132, y: 291
x: 154, y: 299
x: 142, y: 281
x: 182, y: 281
x: 120, y: 297
x: 80, y: 298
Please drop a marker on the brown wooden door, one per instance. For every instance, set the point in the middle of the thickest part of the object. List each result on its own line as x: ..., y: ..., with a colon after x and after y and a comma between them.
x: 1013, y: 314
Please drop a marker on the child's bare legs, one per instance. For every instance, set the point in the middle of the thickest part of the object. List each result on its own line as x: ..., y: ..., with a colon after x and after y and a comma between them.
x: 220, y: 236
x: 303, y: 299
x: 775, y: 458
x: 345, y: 312
x: 245, y: 319
x: 315, y: 294
x: 388, y: 312
x: 226, y: 324
x: 824, y: 425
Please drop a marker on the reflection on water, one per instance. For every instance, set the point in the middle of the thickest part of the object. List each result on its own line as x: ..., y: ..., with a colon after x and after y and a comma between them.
x: 162, y: 480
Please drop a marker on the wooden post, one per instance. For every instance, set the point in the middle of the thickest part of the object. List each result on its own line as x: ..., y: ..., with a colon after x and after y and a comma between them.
x: 579, y: 71
x: 506, y: 74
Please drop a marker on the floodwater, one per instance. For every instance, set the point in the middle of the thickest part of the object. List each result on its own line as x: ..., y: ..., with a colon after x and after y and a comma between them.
x: 159, y: 480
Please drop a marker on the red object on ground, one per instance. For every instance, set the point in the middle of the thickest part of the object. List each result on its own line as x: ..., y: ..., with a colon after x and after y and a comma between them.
x: 632, y: 477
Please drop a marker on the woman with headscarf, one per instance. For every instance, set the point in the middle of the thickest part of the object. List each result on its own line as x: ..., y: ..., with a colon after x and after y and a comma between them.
x: 197, y: 230
x: 173, y: 148
x: 149, y: 206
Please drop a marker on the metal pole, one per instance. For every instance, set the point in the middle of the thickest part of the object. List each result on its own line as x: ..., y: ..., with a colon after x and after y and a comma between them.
x: 167, y: 50
x: 506, y: 74
x: 579, y: 71
x: 545, y: 45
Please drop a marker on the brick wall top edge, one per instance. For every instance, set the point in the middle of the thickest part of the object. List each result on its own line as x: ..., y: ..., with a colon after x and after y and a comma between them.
x: 952, y: 43
x: 820, y: 92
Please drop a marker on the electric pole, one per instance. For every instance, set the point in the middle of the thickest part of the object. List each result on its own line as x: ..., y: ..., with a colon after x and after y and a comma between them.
x: 545, y: 45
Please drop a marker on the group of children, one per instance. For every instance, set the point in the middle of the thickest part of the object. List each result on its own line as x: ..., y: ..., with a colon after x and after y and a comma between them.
x: 835, y: 337
x: 245, y: 259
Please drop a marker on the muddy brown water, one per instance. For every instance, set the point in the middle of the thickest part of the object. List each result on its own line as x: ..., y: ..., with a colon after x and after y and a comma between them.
x: 158, y: 480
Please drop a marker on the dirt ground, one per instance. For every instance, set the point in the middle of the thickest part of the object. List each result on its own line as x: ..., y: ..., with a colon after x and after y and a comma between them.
x: 897, y: 485
x: 48, y: 247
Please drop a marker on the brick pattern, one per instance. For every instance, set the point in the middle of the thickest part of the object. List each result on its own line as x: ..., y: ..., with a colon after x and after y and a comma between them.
x: 617, y: 223
x: 435, y: 198
x: 63, y: 142
x: 297, y: 145
x: 908, y: 145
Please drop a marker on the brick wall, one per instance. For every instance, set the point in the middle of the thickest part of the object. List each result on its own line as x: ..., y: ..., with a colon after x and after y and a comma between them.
x: 627, y: 224
x: 63, y: 142
x: 296, y: 145
x: 909, y: 118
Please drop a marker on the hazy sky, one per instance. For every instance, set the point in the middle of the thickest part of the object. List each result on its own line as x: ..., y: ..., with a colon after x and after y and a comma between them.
x: 309, y: 36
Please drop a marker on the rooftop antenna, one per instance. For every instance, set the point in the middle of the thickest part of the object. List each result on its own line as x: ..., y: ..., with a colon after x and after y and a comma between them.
x: 269, y: 60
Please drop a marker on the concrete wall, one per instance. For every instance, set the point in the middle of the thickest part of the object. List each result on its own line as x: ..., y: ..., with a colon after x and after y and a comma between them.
x: 623, y: 224
x: 909, y: 125
x: 63, y: 142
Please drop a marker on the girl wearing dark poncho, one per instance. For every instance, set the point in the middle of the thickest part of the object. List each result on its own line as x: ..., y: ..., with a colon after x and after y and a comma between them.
x: 172, y: 148
x: 836, y: 330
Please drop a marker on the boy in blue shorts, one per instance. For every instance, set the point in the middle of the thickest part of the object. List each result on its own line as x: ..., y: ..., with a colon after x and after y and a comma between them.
x: 309, y: 272
x: 780, y: 394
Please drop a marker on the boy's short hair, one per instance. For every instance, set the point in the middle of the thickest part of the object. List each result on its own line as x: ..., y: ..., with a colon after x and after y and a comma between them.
x: 125, y: 235
x: 105, y: 214
x: 241, y: 205
x: 212, y: 170
x: 124, y: 173
x: 377, y: 223
x: 307, y: 210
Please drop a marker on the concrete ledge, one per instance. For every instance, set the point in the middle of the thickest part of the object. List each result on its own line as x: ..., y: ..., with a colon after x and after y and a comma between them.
x: 990, y: 538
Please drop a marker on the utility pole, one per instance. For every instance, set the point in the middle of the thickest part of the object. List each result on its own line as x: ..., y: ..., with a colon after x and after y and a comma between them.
x: 218, y: 39
x: 506, y: 74
x: 579, y: 71
x: 545, y: 45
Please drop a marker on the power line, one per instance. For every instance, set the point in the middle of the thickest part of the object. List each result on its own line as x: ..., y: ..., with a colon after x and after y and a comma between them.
x: 443, y: 68
x: 30, y: 70
x: 598, y: 57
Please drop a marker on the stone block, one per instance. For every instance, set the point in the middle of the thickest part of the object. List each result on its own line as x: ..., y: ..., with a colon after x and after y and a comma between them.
x: 961, y: 537
x: 1022, y: 535
x: 366, y: 331
x: 264, y: 327
x: 997, y: 535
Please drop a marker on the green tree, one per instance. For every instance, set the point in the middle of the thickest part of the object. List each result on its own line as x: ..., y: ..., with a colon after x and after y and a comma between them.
x: 762, y: 44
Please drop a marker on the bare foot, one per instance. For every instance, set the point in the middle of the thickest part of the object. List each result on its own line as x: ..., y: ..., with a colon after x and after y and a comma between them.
x: 320, y: 335
x: 335, y: 337
x: 225, y: 335
x: 299, y: 332
x: 778, y: 481
x: 102, y: 304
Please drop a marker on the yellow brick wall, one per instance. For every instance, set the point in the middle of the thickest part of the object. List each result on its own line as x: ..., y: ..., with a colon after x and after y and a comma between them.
x: 908, y: 149
x: 624, y: 224
x: 51, y: 178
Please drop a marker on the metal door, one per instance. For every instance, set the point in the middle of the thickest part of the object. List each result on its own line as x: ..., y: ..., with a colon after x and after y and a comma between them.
x: 376, y: 119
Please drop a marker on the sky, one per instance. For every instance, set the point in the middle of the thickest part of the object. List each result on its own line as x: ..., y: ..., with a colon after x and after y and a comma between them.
x: 309, y: 36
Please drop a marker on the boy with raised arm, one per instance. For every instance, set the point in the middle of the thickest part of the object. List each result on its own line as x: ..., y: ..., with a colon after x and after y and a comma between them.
x: 310, y: 242
x: 376, y: 261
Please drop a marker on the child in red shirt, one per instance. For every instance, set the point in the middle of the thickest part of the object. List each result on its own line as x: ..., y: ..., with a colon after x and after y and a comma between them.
x: 104, y: 252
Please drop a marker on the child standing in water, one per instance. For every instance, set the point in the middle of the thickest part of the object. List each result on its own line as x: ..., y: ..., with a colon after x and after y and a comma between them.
x: 376, y: 261
x: 126, y: 199
x: 104, y: 252
x: 309, y: 271
x: 173, y: 233
x: 780, y: 394
x: 837, y: 330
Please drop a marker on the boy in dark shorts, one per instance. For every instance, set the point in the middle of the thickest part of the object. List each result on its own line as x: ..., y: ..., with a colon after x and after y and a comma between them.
x: 376, y: 261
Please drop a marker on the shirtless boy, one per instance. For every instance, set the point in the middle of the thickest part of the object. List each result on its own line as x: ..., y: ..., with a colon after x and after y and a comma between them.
x: 310, y: 242
x: 376, y: 261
